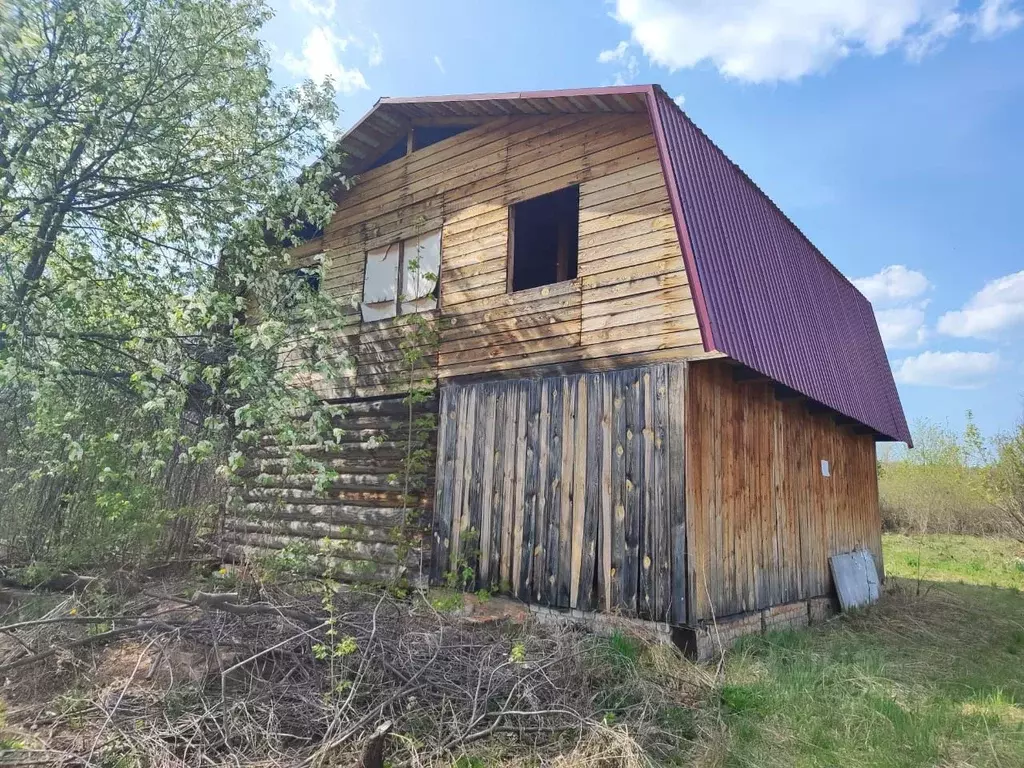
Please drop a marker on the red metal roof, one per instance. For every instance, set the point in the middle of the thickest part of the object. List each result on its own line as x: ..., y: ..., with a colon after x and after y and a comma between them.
x: 764, y: 295
x: 770, y: 299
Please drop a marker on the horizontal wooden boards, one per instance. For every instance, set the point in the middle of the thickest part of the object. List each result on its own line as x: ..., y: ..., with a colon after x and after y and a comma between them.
x: 762, y: 518
x: 631, y: 298
x: 572, y: 499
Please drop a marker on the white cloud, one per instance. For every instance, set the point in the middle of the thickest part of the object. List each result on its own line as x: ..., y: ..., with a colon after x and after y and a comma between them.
x: 892, y: 285
x: 376, y: 54
x: 629, y: 66
x: 440, y: 64
x: 902, y: 327
x: 956, y: 370
x: 680, y: 100
x: 323, y: 8
x: 613, y: 54
x: 997, y: 307
x: 320, y: 60
x: 769, y: 40
x: 996, y: 17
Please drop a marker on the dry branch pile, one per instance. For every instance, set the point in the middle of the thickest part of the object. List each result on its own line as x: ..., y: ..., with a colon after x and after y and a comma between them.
x: 346, y: 679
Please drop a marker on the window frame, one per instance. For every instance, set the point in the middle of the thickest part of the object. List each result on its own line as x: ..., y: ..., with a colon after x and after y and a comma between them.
x: 399, y: 303
x: 562, y: 249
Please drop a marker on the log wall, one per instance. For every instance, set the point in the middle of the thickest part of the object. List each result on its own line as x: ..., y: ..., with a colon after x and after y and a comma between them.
x: 361, y: 525
x: 762, y: 519
x: 563, y: 490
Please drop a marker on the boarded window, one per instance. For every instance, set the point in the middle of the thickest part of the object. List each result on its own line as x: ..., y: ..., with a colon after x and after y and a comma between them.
x: 380, y: 283
x: 544, y: 239
x: 421, y: 264
x: 402, y: 278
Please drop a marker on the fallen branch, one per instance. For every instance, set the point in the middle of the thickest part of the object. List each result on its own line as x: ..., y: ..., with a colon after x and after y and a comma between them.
x: 92, y: 639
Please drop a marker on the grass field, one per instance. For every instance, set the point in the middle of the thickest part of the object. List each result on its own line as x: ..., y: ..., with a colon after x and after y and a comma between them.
x: 933, y: 676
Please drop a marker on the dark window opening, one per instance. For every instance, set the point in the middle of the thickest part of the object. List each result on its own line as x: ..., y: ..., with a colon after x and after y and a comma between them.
x: 305, y: 277
x: 425, y: 135
x: 396, y: 151
x: 544, y: 239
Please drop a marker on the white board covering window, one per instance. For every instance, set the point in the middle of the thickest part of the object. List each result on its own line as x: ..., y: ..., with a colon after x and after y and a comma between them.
x: 421, y: 265
x: 402, y: 277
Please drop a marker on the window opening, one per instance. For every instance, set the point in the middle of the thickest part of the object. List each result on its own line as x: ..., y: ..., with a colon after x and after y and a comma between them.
x: 544, y: 239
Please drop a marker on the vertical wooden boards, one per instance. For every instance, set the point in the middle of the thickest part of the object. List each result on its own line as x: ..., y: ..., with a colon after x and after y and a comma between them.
x: 660, y: 512
x: 607, y: 519
x: 581, y: 475
x: 531, y: 489
x: 761, y: 520
x: 568, y: 491
x: 676, y: 469
x: 645, y: 486
x: 591, y: 426
x: 617, y: 532
x: 633, y: 492
x: 563, y: 572
x: 446, y: 436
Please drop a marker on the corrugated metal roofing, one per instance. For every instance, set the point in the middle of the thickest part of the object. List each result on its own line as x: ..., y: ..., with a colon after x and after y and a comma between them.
x: 764, y: 295
x: 771, y: 300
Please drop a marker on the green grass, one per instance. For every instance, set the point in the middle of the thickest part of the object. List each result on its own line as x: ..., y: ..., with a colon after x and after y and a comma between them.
x: 961, y: 559
x: 930, y: 677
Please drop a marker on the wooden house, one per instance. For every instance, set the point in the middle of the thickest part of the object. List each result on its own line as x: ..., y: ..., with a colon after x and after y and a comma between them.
x: 655, y: 396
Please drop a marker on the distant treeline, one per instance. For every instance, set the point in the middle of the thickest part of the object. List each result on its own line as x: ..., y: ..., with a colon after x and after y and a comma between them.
x: 954, y: 482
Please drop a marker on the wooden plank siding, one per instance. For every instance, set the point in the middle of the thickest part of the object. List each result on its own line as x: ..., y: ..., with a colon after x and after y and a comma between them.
x: 631, y: 298
x: 559, y: 472
x: 761, y: 518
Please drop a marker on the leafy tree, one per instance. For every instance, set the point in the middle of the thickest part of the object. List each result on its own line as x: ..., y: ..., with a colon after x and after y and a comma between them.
x: 151, y: 179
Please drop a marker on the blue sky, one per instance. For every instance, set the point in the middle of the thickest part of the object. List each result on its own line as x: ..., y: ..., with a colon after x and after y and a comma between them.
x: 890, y: 131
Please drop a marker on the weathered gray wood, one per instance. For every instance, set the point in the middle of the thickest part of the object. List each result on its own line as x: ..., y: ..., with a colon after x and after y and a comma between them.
x: 619, y: 381
x: 519, y: 489
x: 485, y: 515
x: 447, y: 434
x: 547, y: 589
x: 634, y: 478
x: 478, y: 440
x: 530, y: 488
x: 585, y: 595
x: 645, y: 487
x: 339, y: 514
x: 682, y: 582
x: 563, y: 567
x: 661, y: 554
x: 498, y: 504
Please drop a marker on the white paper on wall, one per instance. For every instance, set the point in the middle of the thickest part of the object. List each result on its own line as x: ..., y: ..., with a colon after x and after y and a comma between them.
x: 422, y: 266
x: 825, y: 470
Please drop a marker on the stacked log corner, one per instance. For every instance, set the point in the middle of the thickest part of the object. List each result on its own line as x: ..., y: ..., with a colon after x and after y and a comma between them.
x: 362, y: 527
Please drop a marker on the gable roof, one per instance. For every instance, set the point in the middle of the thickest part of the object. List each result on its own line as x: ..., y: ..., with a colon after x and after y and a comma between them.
x: 764, y: 295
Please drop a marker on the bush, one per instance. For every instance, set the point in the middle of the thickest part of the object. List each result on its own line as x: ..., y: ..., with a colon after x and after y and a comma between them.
x: 939, y: 485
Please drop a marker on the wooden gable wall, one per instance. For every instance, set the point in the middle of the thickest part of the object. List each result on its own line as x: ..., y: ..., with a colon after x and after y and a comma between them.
x: 630, y: 303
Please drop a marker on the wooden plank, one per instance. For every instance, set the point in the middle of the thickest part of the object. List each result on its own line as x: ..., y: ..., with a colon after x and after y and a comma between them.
x: 488, y: 529
x: 616, y: 598
x: 591, y: 389
x: 531, y: 490
x: 519, y: 506
x: 476, y: 426
x: 645, y: 486
x: 660, y: 510
x: 553, y: 479
x: 565, y: 488
x: 458, y: 482
x: 447, y: 430
x: 681, y: 571
x: 581, y: 425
